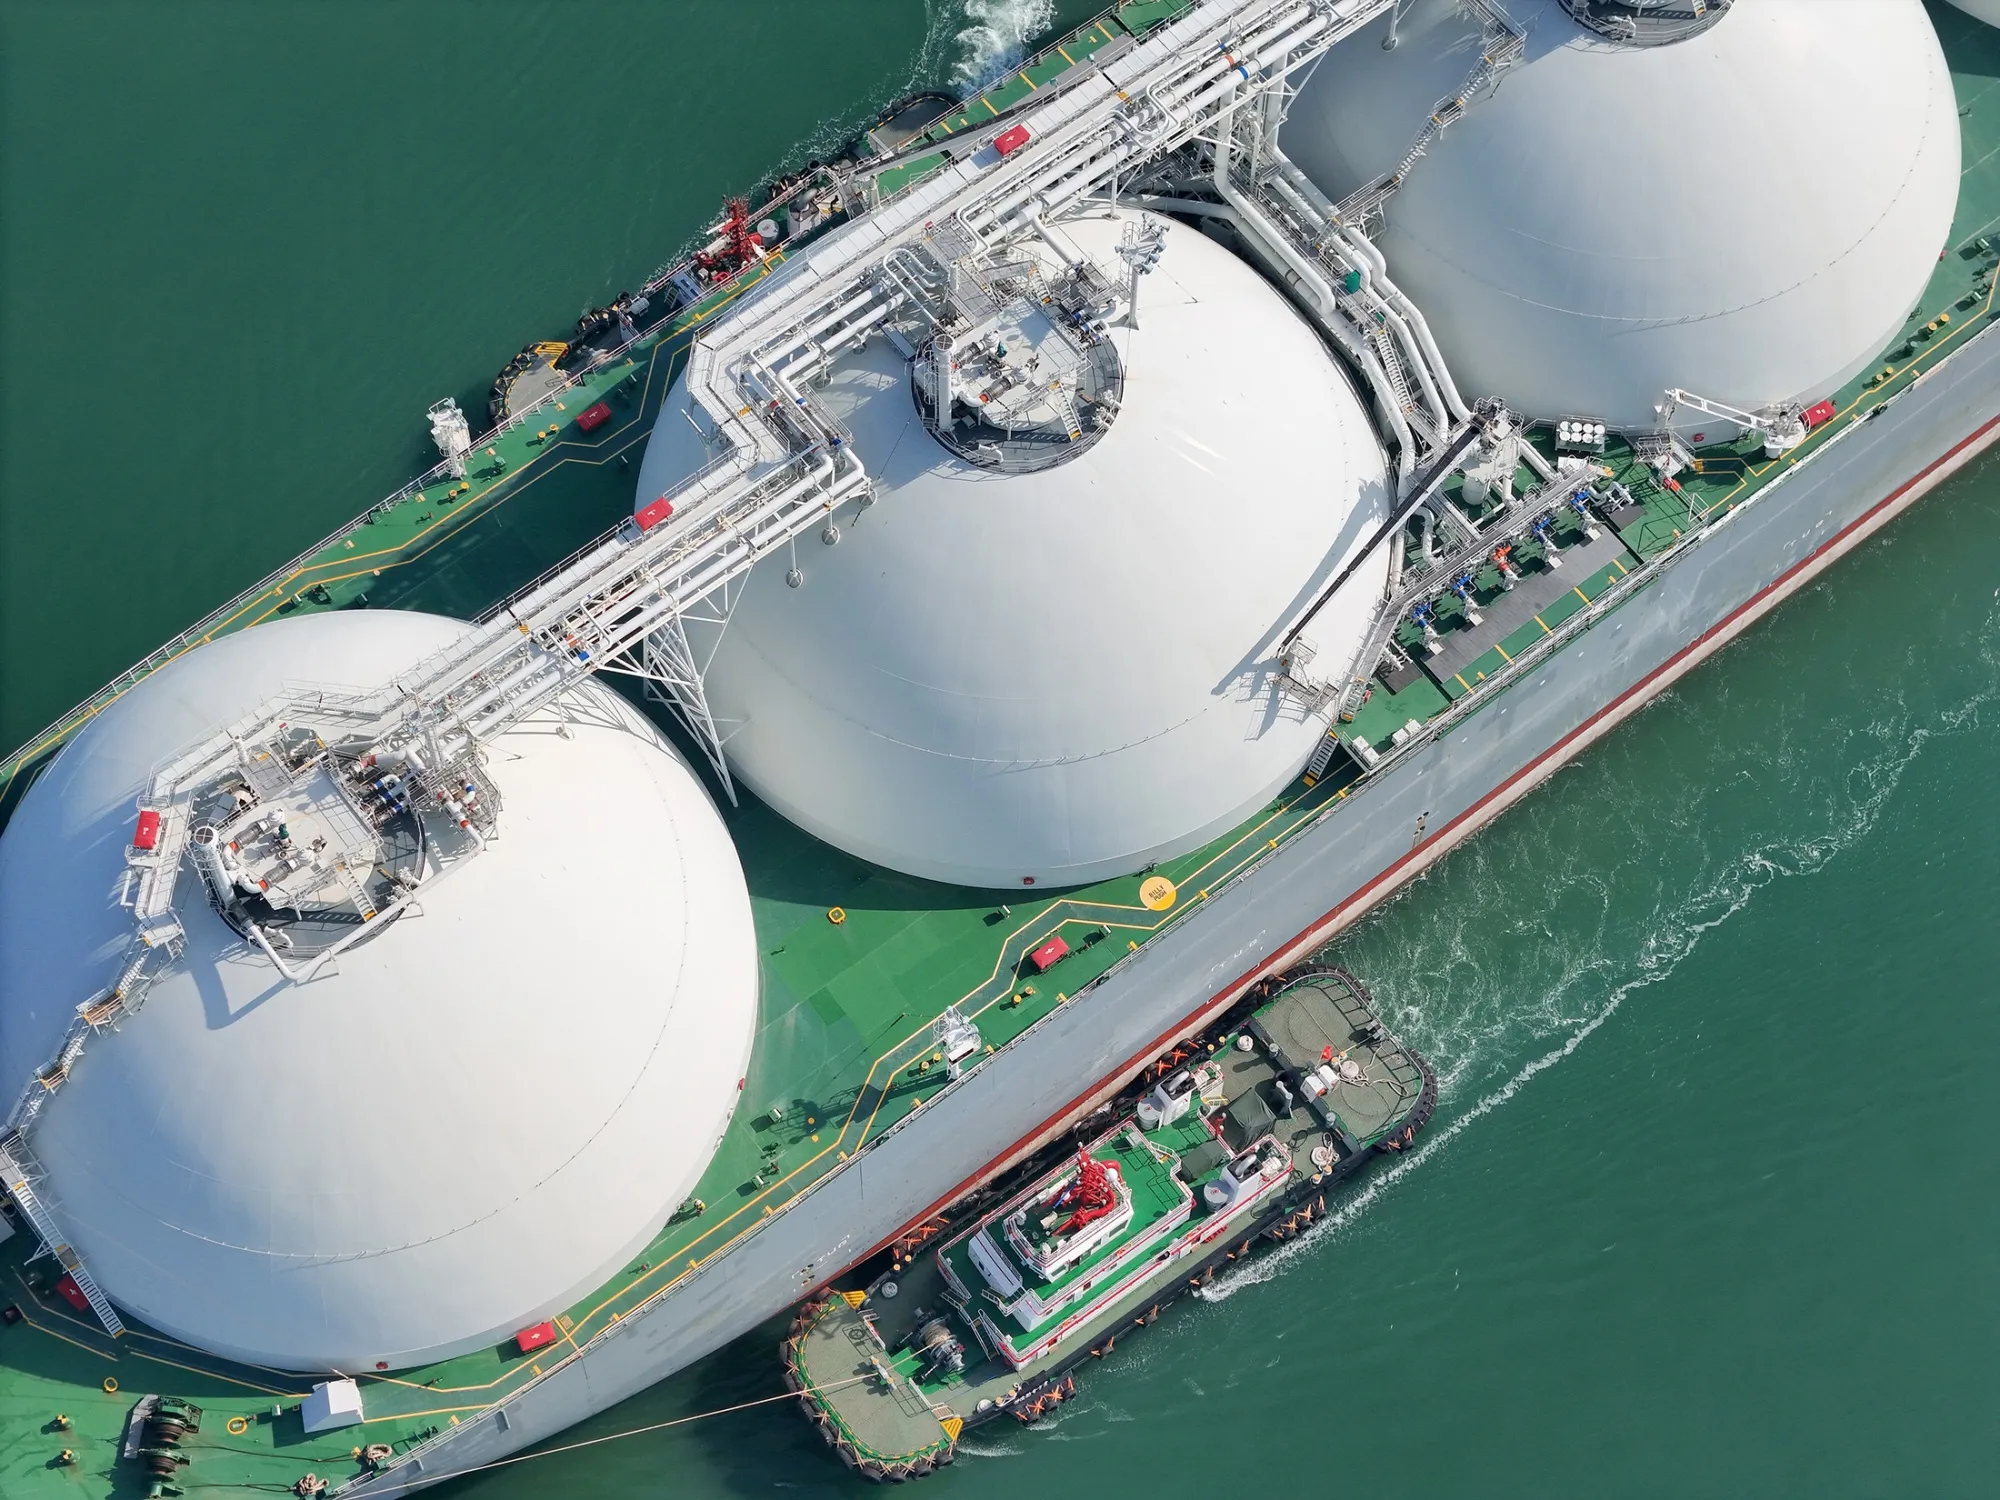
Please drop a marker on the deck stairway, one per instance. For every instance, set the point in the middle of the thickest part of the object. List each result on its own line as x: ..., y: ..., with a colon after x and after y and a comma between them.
x: 784, y: 466
x: 1502, y: 45
x: 18, y: 1173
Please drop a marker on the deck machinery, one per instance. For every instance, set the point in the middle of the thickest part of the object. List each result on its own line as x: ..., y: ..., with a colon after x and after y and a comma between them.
x: 1508, y: 544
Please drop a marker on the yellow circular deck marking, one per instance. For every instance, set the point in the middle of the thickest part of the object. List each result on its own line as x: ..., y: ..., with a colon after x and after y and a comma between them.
x: 238, y: 1426
x: 836, y: 915
x: 110, y: 1385
x: 1157, y: 893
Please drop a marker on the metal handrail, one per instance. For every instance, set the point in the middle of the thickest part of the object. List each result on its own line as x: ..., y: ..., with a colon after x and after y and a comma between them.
x: 201, y: 630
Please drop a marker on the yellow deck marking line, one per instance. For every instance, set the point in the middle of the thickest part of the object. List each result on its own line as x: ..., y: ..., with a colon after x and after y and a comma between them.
x: 133, y: 1348
x: 1026, y: 79
x: 411, y: 1416
x: 665, y: 345
x: 1503, y: 651
x: 989, y: 105
x: 248, y: 1385
x: 1544, y: 624
x: 610, y: 1437
x: 768, y: 1201
x: 869, y: 1079
x: 1278, y: 812
x: 434, y: 541
x: 1065, y: 56
x: 769, y: 1194
x: 49, y: 1310
x: 28, y: 1318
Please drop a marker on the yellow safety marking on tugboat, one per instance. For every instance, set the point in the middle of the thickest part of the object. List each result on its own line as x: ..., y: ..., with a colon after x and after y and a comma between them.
x: 777, y: 1191
x: 854, y: 1299
x: 952, y: 1426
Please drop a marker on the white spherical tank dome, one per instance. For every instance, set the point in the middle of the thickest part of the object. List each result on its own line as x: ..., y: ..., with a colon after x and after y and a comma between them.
x: 1052, y: 677
x: 460, y: 1128
x: 1986, y: 10
x: 1748, y: 214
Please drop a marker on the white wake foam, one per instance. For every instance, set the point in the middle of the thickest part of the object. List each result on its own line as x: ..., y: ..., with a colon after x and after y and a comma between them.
x: 994, y: 37
x: 1490, y: 1013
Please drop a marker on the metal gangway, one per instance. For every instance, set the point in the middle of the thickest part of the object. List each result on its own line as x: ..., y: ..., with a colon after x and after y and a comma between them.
x: 784, y: 465
x: 1502, y: 44
x: 781, y: 466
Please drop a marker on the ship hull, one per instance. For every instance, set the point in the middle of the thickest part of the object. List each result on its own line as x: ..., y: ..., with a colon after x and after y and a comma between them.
x: 1393, y: 827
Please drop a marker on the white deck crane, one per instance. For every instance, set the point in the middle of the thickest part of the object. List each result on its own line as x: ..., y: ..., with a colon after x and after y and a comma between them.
x: 1784, y: 427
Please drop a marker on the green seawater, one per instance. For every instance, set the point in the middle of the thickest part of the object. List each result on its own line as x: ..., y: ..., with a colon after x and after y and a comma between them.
x: 1710, y: 1205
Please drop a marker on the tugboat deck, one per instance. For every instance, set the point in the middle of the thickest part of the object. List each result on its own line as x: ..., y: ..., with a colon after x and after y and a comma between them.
x: 857, y: 1359
x: 844, y: 1052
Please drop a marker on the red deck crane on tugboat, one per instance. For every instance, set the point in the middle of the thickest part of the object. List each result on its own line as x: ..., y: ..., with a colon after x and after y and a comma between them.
x: 735, y: 245
x: 1089, y: 1197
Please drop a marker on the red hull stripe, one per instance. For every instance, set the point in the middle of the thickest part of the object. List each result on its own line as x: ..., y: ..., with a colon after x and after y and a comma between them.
x: 1493, y: 803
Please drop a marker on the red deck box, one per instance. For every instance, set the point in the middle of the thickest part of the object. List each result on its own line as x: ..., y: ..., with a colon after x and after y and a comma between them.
x: 530, y: 1339
x: 1046, y: 957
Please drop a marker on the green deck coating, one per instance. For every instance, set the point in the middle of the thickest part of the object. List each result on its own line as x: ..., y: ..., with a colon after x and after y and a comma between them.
x: 838, y: 1358
x: 843, y: 1047
x: 1131, y: 18
x: 1156, y: 1194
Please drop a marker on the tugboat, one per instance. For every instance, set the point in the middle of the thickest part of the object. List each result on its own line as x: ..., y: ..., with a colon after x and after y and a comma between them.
x: 986, y: 1310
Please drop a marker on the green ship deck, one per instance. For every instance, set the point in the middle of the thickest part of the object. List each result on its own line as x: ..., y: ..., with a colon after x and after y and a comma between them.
x: 844, y: 1053
x: 865, y: 1362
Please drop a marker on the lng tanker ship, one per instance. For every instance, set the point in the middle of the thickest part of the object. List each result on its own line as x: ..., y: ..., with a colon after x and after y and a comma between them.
x: 1092, y: 542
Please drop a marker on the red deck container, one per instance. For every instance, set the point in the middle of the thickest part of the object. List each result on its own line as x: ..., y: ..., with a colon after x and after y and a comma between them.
x: 1012, y: 139
x: 1046, y: 957
x: 653, y: 514
x: 533, y: 1338
x: 593, y: 417
x: 1818, y: 413
x: 147, y: 834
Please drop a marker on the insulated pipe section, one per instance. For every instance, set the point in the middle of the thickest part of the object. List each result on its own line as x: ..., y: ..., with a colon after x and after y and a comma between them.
x: 1410, y: 320
x: 1216, y: 83
x: 539, y: 676
x: 1398, y: 314
x: 1440, y: 470
x: 1306, y: 277
x: 1204, y: 82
